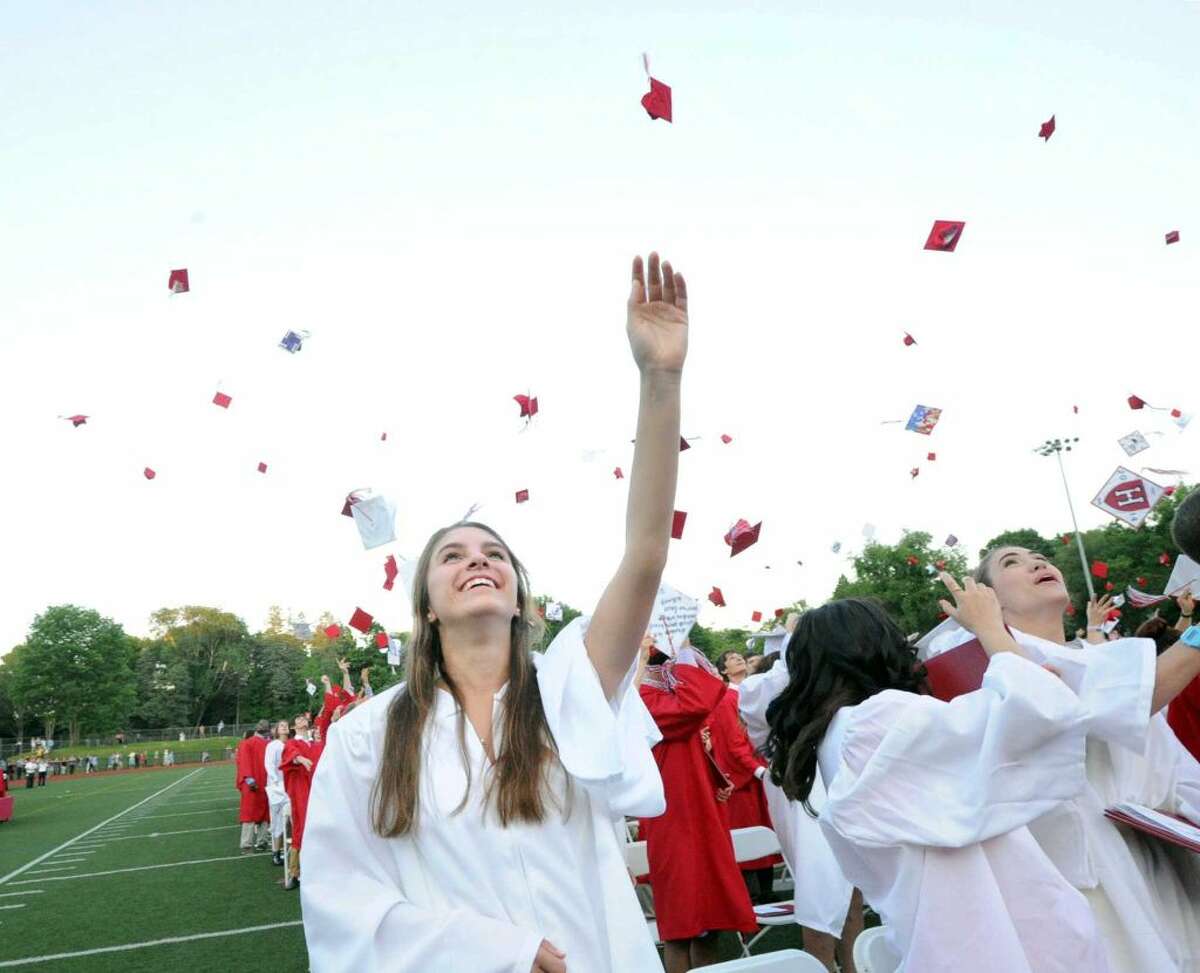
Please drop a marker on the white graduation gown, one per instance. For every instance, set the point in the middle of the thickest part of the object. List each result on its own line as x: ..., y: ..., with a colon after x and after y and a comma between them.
x: 926, y: 813
x: 821, y: 896
x: 1146, y: 895
x: 462, y: 893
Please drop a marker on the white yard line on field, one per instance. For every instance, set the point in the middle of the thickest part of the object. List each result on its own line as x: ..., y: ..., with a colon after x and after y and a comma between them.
x: 4, y: 879
x: 164, y: 834
x: 140, y: 868
x: 153, y: 942
x: 19, y: 905
x: 181, y: 814
x: 5, y: 895
x: 56, y: 868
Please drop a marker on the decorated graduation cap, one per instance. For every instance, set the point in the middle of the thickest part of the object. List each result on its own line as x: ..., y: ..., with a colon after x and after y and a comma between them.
x: 1133, y: 443
x: 177, y: 282
x: 1047, y: 129
x: 293, y: 341
x: 945, y: 235
x: 741, y: 536
x: 656, y: 101
x: 374, y: 516
x: 1128, y: 497
x: 677, y: 521
x: 923, y: 420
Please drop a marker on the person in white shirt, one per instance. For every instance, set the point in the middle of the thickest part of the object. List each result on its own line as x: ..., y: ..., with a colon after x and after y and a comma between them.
x: 473, y: 818
x: 277, y: 798
x: 928, y: 802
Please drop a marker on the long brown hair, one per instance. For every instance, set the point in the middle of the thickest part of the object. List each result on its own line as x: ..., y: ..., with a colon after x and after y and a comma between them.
x: 517, y: 787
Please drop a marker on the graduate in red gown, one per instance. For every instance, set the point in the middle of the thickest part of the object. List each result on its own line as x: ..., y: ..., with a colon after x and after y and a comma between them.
x: 297, y: 762
x: 747, y: 805
x: 335, y: 696
x: 698, y: 888
x: 252, y: 782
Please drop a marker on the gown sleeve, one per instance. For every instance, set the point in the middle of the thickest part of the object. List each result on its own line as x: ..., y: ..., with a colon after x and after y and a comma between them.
x: 737, y: 758
x: 681, y: 713
x: 755, y: 695
x: 915, y: 770
x: 603, y: 744
x: 356, y: 915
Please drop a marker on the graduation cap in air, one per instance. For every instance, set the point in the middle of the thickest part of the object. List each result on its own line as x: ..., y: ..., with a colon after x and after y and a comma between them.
x: 951, y: 540
x: 177, y: 283
x: 381, y: 641
x: 677, y: 521
x: 945, y: 235
x: 617, y: 474
x: 1133, y: 443
x: 726, y: 439
x: 741, y: 536
x: 1173, y: 236
x: 923, y: 420
x: 76, y: 421
x: 716, y: 597
x: 656, y: 101
x: 361, y: 620
x: 262, y: 467
x: 522, y: 496
x: 1047, y: 129
x: 915, y: 472
x: 1100, y: 569
x: 222, y: 400
x: 332, y: 631
x: 528, y: 404
x: 931, y: 457
x: 293, y: 341
x: 374, y: 516
x: 390, y: 572
x: 148, y: 473
x: 909, y: 340
x: 1180, y: 418
x: 756, y: 616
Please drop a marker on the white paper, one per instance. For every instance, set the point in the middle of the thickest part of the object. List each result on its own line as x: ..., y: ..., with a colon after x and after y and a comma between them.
x: 1134, y: 443
x: 393, y: 652
x: 375, y: 518
x: 554, y: 611
x: 672, y: 618
x: 1186, y: 572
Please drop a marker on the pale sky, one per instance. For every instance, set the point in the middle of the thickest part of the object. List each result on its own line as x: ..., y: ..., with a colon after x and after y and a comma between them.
x: 449, y: 199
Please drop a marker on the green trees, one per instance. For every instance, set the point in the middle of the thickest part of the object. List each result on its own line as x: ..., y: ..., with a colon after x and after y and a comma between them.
x: 75, y: 670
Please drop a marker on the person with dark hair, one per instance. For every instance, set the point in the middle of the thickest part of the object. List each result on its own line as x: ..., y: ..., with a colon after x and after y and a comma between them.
x: 732, y: 667
x: 929, y: 802
x: 471, y: 818
x: 1141, y: 893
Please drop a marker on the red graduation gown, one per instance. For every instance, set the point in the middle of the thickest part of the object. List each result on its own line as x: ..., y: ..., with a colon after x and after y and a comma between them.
x: 333, y: 699
x: 732, y: 751
x: 696, y: 882
x: 251, y: 762
x: 296, y: 781
x: 1183, y: 714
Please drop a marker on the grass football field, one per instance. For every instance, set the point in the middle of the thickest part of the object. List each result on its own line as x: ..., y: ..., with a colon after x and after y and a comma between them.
x: 140, y: 871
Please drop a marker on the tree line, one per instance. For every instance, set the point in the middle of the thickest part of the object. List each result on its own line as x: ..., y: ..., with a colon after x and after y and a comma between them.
x: 78, y: 673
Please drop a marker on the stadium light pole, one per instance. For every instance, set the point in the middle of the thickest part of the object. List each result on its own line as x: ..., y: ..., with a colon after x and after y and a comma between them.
x: 1055, y: 448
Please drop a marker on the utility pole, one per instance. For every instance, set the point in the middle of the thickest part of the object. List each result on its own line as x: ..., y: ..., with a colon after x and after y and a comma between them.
x: 1055, y: 448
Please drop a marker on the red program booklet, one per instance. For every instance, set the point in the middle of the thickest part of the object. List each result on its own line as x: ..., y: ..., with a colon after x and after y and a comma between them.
x: 958, y: 671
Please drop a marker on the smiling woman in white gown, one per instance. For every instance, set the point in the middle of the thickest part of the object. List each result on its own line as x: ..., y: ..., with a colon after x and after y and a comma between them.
x: 471, y: 819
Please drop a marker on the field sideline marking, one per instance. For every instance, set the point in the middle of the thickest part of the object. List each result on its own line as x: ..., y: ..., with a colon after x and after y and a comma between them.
x: 153, y: 942
x: 163, y: 834
x: 141, y: 868
x: 20, y: 905
x: 4, y: 895
x: 181, y: 814
x: 70, y: 841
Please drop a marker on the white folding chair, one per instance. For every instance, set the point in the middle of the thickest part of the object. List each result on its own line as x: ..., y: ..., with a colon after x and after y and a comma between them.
x: 749, y: 844
x: 780, y: 961
x: 873, y: 954
x: 637, y: 860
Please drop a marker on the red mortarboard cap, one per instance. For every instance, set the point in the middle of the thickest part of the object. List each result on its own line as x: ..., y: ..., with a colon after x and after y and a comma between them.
x: 222, y: 400
x: 361, y: 620
x: 1175, y: 414
x: 915, y: 472
x: 1100, y: 569
x: 1108, y: 586
x: 1047, y: 129
x: 528, y: 404
x: 909, y: 340
x: 931, y: 456
x: 1135, y: 402
x: 617, y: 474
x: 148, y: 473
x: 756, y: 616
x: 177, y: 283
x: 390, y: 571
x: 333, y: 631
x: 945, y: 235
x: 522, y: 496
x: 381, y: 640
x: 1173, y: 236
x: 78, y: 421
x: 1164, y: 558
x: 779, y: 613
x: 726, y: 439
x: 657, y: 101
x: 716, y: 597
x: 741, y: 535
x: 262, y: 467
x: 684, y: 444
x: 1141, y: 582
x: 1076, y: 408
x: 677, y: 523
x: 383, y: 438
x: 1169, y: 491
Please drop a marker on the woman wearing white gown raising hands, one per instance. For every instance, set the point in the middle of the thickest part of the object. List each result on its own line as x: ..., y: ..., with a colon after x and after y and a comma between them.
x: 470, y: 819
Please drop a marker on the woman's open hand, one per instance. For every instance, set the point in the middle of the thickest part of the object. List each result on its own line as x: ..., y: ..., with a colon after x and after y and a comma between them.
x: 657, y: 321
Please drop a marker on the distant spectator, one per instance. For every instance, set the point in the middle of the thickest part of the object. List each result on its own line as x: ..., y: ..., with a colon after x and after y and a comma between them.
x: 42, y: 768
